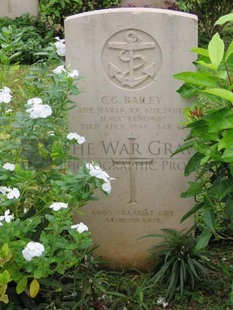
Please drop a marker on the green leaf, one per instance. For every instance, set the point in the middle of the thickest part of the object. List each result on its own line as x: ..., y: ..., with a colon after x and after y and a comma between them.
x: 184, y: 147
x: 194, y: 189
x: 223, y: 93
x: 209, y: 218
x: 219, y: 120
x: 39, y: 273
x: 152, y: 236
x: 216, y: 50
x: 207, y: 150
x: 4, y: 277
x: 227, y: 139
x: 21, y: 285
x: 205, y: 64
x: 113, y: 293
x: 50, y: 218
x: 157, y: 245
x: 201, y: 51
x: 223, y: 19
x: 182, y: 278
x: 190, y: 278
x: 34, y: 288
x: 173, y: 281
x: 4, y: 298
x: 227, y: 155
x: 229, y: 51
x: 198, y: 123
x: 231, y: 296
x: 204, y: 239
x: 191, y: 265
x: 187, y: 90
x: 170, y: 231
x: 193, y: 164
x: 197, y: 78
x: 192, y: 211
x: 201, y: 132
x: 231, y: 168
x: 221, y: 189
x: 229, y: 210
x: 5, y: 250
x: 199, y: 267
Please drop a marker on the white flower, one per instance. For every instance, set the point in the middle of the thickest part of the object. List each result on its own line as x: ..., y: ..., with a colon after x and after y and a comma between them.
x: 51, y: 133
x: 39, y: 111
x: 8, y: 111
x: 103, y: 176
x: 107, y: 187
x: 13, y: 193
x: 59, y: 70
x: 56, y: 206
x: 8, y: 166
x: 3, y: 190
x: 34, y: 101
x: 162, y: 301
x: 32, y: 249
x: 60, y: 46
x: 80, y: 227
x: 6, y: 217
x: 5, y: 95
x: 9, y: 192
x: 75, y: 136
x: 6, y: 90
x: 96, y: 171
x: 73, y: 74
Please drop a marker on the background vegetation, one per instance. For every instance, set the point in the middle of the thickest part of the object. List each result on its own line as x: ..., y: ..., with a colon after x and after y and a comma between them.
x: 25, y: 37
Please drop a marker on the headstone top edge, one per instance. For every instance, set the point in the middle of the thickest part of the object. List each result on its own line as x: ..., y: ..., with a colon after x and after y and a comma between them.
x: 134, y: 11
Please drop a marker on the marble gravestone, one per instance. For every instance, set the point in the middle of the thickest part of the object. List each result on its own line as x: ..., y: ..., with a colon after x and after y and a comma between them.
x: 15, y: 8
x: 131, y: 115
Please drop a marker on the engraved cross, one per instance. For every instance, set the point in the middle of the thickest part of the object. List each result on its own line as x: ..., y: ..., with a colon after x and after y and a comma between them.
x: 130, y: 162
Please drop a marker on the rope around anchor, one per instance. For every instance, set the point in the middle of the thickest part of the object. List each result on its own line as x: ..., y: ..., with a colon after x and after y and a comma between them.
x: 127, y: 59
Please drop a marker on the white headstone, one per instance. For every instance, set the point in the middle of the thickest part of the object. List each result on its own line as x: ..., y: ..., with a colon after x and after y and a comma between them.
x: 15, y: 8
x: 130, y: 114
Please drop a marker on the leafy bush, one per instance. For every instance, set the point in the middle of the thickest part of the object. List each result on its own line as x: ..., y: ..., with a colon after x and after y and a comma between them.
x: 22, y: 38
x: 208, y: 11
x: 38, y: 192
x: 210, y: 122
x: 53, y: 12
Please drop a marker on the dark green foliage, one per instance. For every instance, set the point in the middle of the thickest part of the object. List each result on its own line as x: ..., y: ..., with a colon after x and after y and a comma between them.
x: 208, y: 11
x: 210, y: 121
x: 22, y: 38
x: 53, y: 12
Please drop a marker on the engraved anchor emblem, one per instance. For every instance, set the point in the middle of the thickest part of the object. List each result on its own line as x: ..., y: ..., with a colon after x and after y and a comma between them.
x: 133, y: 42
